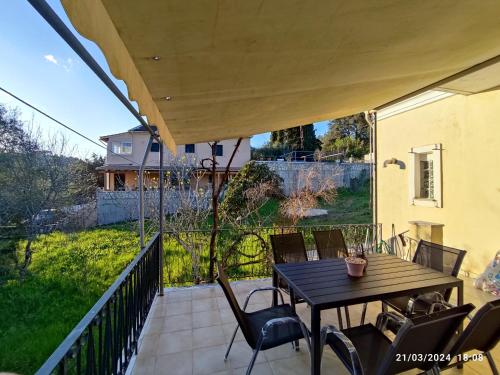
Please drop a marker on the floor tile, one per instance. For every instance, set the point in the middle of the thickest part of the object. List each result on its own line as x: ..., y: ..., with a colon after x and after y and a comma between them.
x: 206, y: 319
x: 175, y: 342
x: 207, y: 361
x: 177, y: 363
x: 178, y: 308
x: 208, y: 336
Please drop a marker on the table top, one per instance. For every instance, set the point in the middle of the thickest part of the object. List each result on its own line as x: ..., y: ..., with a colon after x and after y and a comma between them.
x: 325, y: 283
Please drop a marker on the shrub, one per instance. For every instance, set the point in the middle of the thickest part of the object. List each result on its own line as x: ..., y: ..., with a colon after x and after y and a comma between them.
x: 251, y: 176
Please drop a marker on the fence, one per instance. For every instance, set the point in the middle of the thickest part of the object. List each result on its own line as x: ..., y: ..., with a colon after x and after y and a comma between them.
x: 118, y: 206
x: 246, y: 252
x: 106, y: 338
x: 348, y: 175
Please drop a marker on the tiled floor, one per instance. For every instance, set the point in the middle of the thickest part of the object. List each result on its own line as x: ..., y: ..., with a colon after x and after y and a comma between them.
x: 189, y: 328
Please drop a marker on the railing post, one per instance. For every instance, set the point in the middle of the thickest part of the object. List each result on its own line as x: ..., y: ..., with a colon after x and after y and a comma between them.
x: 141, y: 192
x: 160, y: 245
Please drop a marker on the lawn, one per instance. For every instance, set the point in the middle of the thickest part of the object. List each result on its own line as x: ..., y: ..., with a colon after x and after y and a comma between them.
x: 349, y: 207
x: 68, y: 274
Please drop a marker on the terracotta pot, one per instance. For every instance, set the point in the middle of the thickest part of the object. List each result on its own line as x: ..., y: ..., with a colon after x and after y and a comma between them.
x: 355, y: 266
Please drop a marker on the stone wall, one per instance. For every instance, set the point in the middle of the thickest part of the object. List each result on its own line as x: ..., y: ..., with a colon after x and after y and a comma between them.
x: 349, y: 175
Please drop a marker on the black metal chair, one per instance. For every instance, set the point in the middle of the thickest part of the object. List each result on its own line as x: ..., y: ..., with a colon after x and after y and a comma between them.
x: 482, y: 333
x: 365, y: 350
x: 438, y: 257
x: 288, y: 248
x: 330, y: 244
x: 263, y: 329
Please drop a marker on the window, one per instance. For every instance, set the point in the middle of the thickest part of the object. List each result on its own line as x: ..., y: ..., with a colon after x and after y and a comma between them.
x: 425, y: 176
x: 155, y: 147
x: 189, y: 148
x: 122, y: 147
x: 219, y: 150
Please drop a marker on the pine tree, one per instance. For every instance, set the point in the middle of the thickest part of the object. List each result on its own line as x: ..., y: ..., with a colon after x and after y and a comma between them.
x: 298, y: 138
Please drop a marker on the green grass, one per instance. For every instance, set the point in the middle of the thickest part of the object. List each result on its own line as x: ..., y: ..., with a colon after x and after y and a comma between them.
x: 349, y: 207
x: 69, y: 273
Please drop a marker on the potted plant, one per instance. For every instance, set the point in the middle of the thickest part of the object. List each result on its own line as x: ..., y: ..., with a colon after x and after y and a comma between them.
x: 361, y: 253
x: 355, y: 266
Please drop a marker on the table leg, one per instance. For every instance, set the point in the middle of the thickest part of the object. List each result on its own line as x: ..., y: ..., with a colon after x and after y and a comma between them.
x: 315, y: 341
x: 292, y: 305
x: 460, y: 302
x: 275, y: 284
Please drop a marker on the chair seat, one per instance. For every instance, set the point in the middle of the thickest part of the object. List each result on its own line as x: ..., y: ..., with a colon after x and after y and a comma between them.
x: 370, y: 343
x: 399, y: 303
x: 277, y: 335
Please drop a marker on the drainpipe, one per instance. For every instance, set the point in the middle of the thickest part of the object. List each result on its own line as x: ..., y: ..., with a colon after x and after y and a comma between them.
x: 371, y: 117
x: 161, y: 218
x: 141, y: 192
x: 375, y: 174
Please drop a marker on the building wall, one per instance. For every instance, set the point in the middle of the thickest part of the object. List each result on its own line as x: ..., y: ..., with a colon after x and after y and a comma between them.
x: 202, y: 150
x: 468, y: 127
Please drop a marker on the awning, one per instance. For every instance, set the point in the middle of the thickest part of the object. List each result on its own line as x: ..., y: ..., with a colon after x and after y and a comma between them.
x: 211, y: 70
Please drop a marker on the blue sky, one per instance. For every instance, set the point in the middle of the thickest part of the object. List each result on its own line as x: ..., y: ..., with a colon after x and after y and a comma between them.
x: 38, y: 66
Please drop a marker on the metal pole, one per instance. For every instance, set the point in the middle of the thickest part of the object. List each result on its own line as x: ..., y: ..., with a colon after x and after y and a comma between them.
x: 161, y: 218
x: 141, y: 191
x: 58, y: 25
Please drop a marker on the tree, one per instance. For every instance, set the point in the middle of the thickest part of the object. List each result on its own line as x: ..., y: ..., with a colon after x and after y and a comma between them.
x: 310, y: 188
x: 237, y: 196
x: 87, y: 178
x: 298, y: 138
x: 35, y: 178
x: 210, y: 165
x: 348, y: 135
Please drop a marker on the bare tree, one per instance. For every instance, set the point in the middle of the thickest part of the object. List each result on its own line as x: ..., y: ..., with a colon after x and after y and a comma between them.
x: 249, y: 223
x: 35, y: 184
x: 210, y: 165
x: 310, y: 188
x: 187, y: 208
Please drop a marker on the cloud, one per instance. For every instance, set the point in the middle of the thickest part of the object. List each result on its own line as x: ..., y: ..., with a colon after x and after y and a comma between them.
x: 51, y: 59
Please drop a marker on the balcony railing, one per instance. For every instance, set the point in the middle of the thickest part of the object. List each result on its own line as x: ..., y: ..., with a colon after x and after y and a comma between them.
x: 245, y: 252
x: 106, y: 338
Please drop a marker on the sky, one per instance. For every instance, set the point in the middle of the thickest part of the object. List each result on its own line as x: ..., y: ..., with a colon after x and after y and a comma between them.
x: 39, y: 67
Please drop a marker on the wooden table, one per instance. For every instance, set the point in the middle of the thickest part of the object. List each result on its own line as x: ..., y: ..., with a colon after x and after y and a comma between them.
x: 324, y: 284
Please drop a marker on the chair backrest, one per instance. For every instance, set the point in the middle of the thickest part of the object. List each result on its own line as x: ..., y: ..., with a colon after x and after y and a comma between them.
x: 440, y: 258
x: 423, y: 336
x: 330, y: 243
x: 288, y: 248
x: 482, y: 332
x: 233, y: 303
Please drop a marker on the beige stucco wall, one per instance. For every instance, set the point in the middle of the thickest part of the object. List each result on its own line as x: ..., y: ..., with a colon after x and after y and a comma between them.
x: 468, y: 127
x: 202, y: 150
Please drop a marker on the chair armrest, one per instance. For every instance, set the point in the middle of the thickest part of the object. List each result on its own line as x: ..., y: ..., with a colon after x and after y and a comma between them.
x: 384, y: 318
x: 263, y: 289
x: 355, y: 361
x: 284, y: 321
x: 437, y: 297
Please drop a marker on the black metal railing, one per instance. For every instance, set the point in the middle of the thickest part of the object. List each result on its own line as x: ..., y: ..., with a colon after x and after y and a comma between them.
x: 107, y: 337
x: 246, y: 252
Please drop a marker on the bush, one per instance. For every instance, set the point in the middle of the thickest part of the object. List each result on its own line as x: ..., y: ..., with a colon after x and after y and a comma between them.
x: 250, y: 176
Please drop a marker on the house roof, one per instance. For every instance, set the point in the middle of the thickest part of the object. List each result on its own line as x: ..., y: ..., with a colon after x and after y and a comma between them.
x: 210, y: 70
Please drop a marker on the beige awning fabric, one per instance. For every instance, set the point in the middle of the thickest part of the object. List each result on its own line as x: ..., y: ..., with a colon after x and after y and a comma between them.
x: 231, y: 68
